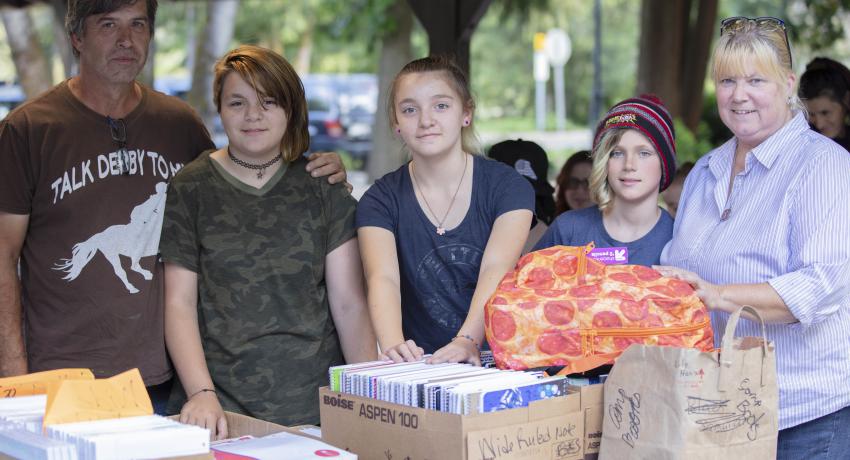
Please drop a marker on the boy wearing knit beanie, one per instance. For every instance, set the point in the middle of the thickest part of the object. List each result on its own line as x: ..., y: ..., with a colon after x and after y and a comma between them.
x: 634, y: 159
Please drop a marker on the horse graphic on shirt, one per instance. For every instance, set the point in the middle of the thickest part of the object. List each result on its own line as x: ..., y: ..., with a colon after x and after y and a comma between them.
x: 139, y: 238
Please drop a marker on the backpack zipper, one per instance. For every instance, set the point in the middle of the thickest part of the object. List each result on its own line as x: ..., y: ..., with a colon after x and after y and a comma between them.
x: 587, y: 335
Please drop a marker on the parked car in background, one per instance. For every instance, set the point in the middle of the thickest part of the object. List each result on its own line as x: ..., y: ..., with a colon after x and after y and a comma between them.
x: 11, y: 96
x: 342, y: 112
x: 179, y: 86
x: 173, y: 85
x: 359, y: 102
x: 326, y: 131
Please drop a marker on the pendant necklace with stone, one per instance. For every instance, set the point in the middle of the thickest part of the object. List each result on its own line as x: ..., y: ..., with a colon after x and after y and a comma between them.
x: 441, y: 230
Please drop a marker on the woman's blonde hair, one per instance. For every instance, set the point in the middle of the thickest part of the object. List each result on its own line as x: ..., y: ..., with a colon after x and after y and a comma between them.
x: 765, y: 48
x: 600, y: 190
x: 271, y: 76
x: 446, y: 68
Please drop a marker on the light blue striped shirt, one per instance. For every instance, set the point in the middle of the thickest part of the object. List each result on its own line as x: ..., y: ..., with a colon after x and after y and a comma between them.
x: 788, y: 225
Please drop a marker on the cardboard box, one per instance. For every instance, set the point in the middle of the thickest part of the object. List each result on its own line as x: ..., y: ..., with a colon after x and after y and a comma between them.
x: 592, y: 408
x: 551, y: 429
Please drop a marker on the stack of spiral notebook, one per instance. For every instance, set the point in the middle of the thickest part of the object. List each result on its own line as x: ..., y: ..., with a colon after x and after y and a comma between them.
x: 151, y: 436
x: 25, y: 412
x: 450, y: 387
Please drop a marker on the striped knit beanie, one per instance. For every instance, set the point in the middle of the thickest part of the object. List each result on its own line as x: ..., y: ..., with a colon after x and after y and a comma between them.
x: 647, y: 114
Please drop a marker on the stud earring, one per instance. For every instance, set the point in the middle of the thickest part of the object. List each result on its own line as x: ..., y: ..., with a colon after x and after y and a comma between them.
x: 465, y: 122
x: 398, y: 130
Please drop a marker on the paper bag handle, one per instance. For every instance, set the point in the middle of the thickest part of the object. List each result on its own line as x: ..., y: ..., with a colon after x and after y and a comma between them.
x: 729, y: 337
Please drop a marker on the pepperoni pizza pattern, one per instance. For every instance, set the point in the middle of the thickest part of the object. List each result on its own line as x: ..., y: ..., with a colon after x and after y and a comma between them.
x: 544, y: 313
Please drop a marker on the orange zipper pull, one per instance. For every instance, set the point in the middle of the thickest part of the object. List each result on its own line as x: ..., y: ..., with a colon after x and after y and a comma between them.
x: 582, y: 262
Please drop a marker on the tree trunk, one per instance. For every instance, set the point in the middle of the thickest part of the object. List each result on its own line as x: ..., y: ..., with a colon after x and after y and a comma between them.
x: 61, y: 39
x: 191, y: 34
x: 387, y: 153
x: 305, y: 51
x: 31, y: 65
x: 676, y: 70
x: 450, y: 24
x: 660, y: 66
x: 214, y: 41
x: 696, y: 63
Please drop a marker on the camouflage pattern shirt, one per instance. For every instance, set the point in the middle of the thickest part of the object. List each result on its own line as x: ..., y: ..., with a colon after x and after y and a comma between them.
x: 263, y: 309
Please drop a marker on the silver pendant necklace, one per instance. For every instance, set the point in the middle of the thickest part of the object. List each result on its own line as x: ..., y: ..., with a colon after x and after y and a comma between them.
x: 441, y: 230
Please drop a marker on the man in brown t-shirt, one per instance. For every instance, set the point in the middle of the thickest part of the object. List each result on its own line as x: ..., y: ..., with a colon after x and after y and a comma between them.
x: 83, y: 174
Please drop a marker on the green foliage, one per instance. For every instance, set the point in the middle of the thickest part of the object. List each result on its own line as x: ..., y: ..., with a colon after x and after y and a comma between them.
x: 821, y: 25
x: 502, y: 56
x: 365, y: 20
x: 691, y: 146
x: 813, y: 25
x: 711, y: 127
x: 521, y: 8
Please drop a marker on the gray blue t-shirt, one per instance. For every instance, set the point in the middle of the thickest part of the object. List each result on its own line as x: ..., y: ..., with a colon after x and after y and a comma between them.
x: 439, y: 273
x: 579, y: 227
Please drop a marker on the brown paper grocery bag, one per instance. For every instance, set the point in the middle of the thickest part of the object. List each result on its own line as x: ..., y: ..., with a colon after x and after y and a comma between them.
x: 682, y: 403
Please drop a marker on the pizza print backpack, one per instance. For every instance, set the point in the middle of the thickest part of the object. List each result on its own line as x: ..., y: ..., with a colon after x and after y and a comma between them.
x: 559, y: 307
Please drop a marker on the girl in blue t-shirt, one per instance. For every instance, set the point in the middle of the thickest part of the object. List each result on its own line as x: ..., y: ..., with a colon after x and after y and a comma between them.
x: 438, y: 234
x: 634, y: 159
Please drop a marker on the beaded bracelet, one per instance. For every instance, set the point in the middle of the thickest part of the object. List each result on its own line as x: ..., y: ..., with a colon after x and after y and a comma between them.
x: 468, y: 337
x: 201, y: 391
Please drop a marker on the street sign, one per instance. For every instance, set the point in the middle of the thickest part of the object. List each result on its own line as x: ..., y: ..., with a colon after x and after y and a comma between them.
x: 557, y: 47
x: 541, y: 67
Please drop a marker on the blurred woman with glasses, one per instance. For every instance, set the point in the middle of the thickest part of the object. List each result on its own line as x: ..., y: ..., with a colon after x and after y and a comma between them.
x: 825, y: 89
x: 764, y: 221
x: 573, y: 183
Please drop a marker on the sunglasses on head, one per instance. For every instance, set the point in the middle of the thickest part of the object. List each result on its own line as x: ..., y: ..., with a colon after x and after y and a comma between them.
x: 735, y: 24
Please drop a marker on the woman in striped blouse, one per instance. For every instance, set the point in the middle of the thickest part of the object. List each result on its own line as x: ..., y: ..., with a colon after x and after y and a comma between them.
x: 764, y: 221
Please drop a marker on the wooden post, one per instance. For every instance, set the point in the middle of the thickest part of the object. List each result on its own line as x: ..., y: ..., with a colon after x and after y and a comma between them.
x: 450, y: 24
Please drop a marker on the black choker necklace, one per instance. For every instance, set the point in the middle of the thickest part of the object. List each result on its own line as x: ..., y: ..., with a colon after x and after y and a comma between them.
x: 261, y: 169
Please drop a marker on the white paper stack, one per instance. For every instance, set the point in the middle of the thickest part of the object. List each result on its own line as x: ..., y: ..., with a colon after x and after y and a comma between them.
x: 24, y: 410
x: 149, y: 436
x: 17, y: 442
x: 281, y: 445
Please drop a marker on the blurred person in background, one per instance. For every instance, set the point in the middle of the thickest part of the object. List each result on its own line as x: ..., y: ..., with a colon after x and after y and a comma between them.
x: 531, y: 162
x: 825, y: 90
x: 674, y: 191
x: 573, y: 182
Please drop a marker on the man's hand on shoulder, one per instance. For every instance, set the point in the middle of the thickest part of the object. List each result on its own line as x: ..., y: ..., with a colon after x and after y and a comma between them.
x: 328, y: 164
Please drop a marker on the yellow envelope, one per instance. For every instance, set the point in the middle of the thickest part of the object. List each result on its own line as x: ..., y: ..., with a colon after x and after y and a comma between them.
x: 123, y: 395
x: 36, y: 383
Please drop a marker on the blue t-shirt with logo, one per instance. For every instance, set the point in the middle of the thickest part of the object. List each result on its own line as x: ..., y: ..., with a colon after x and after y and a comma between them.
x: 439, y: 273
x: 581, y: 226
